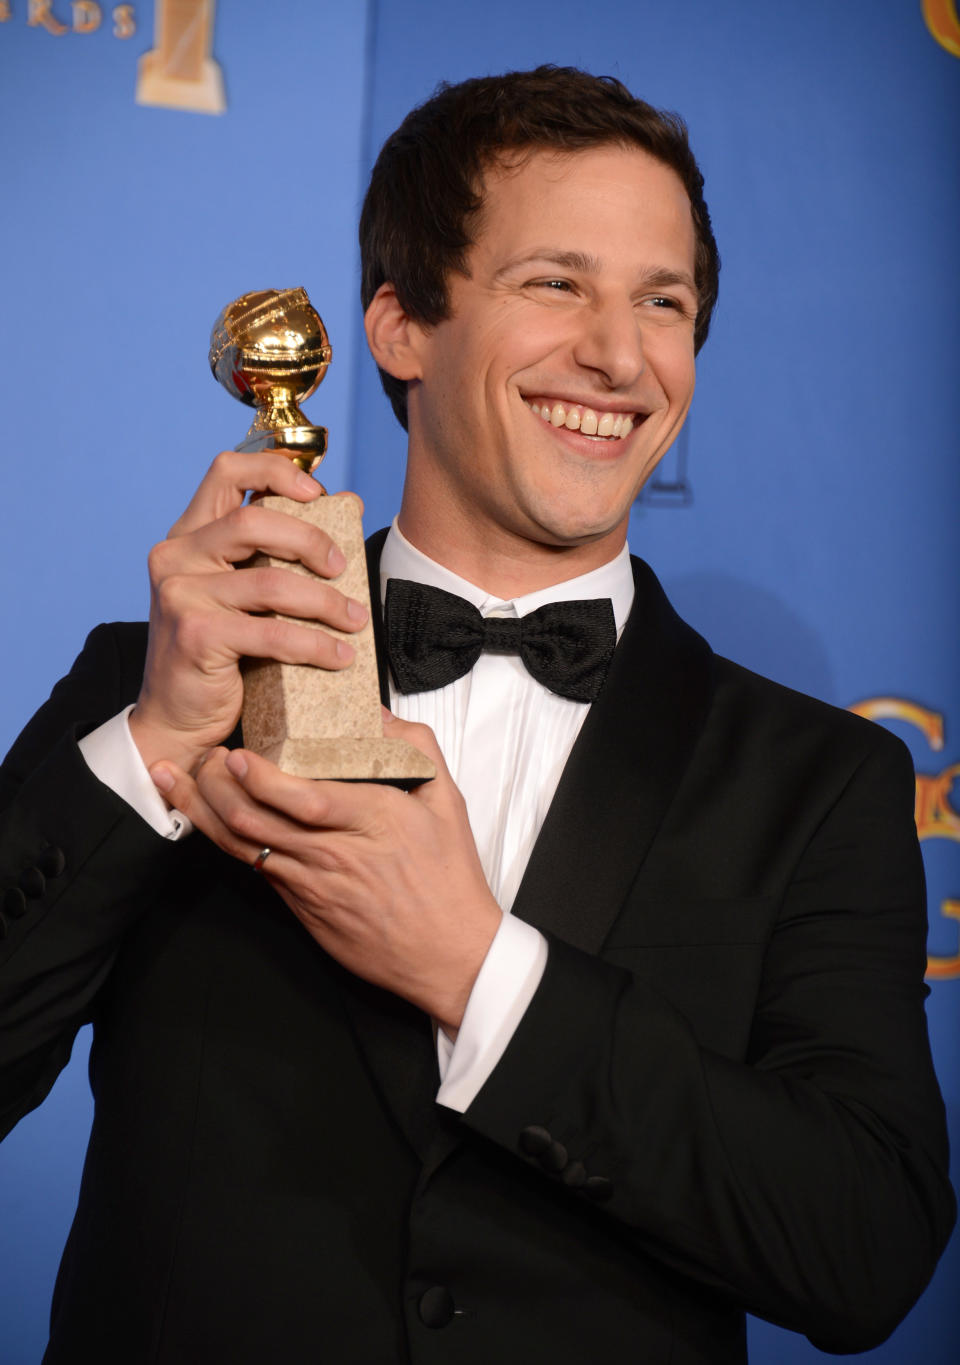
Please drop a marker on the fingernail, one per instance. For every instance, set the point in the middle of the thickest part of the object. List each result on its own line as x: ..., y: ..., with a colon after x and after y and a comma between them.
x: 344, y: 651
x: 336, y: 560
x: 356, y: 610
x: 162, y: 778
x: 236, y: 763
x: 305, y: 483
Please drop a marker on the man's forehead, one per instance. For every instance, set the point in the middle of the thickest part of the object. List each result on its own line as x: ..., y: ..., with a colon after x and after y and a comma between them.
x: 527, y: 213
x: 555, y: 163
x: 521, y: 175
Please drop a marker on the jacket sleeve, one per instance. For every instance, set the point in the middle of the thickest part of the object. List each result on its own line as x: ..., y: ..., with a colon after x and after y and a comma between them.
x: 77, y: 866
x: 806, y: 1180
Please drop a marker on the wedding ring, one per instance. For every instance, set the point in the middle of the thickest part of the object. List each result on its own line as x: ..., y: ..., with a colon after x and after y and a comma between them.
x: 261, y: 858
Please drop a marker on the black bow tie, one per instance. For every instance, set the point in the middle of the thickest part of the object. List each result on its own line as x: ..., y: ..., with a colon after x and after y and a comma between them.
x: 434, y: 637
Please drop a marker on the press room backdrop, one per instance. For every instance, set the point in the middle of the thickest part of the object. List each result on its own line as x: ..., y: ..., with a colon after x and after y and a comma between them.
x: 158, y: 159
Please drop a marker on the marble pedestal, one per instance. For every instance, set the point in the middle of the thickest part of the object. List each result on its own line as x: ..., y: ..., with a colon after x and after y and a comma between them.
x: 315, y: 723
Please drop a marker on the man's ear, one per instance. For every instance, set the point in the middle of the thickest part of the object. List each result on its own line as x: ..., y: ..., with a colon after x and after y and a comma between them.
x: 392, y: 336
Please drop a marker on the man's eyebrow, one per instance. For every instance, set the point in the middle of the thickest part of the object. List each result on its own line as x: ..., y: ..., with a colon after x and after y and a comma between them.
x: 567, y: 260
x: 664, y: 278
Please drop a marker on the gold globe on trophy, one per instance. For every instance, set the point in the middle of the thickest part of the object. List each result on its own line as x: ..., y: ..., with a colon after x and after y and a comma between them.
x: 270, y: 349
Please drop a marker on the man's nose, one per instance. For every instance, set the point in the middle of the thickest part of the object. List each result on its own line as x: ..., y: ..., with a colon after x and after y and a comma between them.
x: 611, y: 343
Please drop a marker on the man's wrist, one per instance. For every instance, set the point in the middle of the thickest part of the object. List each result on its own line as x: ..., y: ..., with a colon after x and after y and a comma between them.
x: 155, y: 743
x: 448, y: 1010
x: 511, y: 973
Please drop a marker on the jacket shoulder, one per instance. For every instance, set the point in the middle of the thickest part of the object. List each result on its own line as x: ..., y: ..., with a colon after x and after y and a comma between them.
x: 776, y: 711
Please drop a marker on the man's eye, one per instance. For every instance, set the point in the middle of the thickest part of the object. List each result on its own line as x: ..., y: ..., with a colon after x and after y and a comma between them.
x: 667, y: 303
x: 559, y: 285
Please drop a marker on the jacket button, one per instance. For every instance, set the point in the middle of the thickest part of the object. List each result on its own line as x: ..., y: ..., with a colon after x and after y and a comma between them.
x: 534, y: 1140
x: 14, y: 902
x: 598, y: 1187
x: 52, y: 862
x: 436, y: 1306
x: 574, y: 1175
x: 33, y: 882
x: 554, y: 1158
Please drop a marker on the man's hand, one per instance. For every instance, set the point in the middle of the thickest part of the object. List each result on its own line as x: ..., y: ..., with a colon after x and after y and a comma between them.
x: 388, y: 883
x: 204, y: 602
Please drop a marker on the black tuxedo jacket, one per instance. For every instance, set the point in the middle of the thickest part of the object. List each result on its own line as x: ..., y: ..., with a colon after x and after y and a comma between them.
x: 721, y: 1096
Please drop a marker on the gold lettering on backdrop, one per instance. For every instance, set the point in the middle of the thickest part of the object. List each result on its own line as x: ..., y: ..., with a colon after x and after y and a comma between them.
x: 124, y: 23
x: 87, y: 16
x: 944, y: 968
x: 39, y: 15
x: 943, y: 23
x: 180, y: 72
x: 936, y: 816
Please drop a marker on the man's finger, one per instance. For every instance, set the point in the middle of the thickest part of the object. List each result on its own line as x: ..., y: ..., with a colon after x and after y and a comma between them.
x: 251, y: 822
x: 422, y: 738
x: 206, y: 632
x: 247, y: 530
x: 181, y: 791
x: 220, y: 809
x: 261, y: 589
x: 316, y: 804
x: 229, y: 479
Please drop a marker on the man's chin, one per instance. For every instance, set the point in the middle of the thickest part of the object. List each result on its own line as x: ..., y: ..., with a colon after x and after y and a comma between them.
x: 578, y: 534
x: 580, y: 528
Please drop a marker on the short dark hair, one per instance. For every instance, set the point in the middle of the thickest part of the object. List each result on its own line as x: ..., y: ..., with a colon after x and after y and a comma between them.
x: 423, y: 205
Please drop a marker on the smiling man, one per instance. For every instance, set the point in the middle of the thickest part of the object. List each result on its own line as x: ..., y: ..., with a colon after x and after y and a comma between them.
x: 610, y: 1033
x: 564, y: 370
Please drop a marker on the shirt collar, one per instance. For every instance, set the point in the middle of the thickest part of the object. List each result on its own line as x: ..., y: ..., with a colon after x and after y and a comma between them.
x: 400, y: 559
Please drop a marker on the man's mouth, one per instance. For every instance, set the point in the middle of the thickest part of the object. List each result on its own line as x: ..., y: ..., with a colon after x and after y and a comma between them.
x: 613, y: 426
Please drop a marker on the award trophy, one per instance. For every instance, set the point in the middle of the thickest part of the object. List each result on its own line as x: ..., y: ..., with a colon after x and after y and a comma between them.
x: 270, y: 350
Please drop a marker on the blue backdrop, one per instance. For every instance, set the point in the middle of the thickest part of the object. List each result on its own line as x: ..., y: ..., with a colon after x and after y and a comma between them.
x: 804, y: 522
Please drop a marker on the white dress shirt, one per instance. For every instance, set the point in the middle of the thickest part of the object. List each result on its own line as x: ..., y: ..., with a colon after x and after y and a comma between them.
x: 505, y: 738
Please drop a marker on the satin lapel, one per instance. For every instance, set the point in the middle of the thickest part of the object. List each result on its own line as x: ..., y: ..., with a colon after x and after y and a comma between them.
x: 624, y: 768
x: 374, y: 550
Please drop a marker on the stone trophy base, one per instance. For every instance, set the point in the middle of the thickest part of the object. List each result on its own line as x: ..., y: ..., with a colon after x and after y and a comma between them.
x: 314, y: 723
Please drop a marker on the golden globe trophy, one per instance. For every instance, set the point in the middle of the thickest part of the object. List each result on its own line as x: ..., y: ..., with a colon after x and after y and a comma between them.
x: 270, y: 350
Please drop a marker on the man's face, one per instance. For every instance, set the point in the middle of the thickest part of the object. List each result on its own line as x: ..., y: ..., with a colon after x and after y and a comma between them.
x: 566, y: 366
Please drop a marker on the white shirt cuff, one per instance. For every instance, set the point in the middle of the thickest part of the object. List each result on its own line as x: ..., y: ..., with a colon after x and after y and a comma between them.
x: 505, y: 985
x: 111, y: 755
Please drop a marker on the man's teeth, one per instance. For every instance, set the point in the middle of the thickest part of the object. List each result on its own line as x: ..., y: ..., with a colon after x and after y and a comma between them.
x: 576, y: 418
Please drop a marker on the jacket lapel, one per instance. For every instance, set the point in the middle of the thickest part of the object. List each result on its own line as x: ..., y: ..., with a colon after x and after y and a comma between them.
x: 374, y: 550
x: 621, y: 775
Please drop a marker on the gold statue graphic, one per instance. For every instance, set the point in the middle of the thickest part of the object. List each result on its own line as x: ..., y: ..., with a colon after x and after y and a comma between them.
x: 180, y: 72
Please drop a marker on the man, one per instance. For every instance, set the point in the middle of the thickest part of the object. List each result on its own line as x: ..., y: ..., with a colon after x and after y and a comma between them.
x: 613, y: 1030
